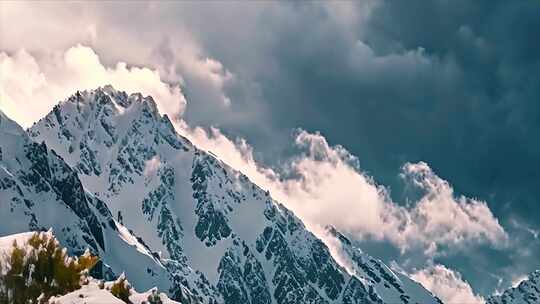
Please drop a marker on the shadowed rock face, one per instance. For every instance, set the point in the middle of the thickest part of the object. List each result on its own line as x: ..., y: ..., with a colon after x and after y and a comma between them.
x: 217, y: 237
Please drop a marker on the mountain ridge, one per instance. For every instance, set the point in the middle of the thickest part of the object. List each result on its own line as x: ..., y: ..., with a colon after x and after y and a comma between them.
x: 219, y: 236
x: 526, y: 292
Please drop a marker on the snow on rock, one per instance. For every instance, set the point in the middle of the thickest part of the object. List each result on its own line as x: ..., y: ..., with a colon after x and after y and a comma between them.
x: 383, y: 284
x: 96, y: 292
x: 141, y: 298
x: 6, y: 242
x: 89, y: 294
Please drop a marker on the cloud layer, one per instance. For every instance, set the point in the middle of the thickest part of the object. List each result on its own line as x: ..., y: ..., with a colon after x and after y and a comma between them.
x: 325, y: 186
x: 30, y: 86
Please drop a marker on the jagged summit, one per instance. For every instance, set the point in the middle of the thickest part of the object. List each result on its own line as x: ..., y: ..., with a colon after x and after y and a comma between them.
x: 118, y: 98
x: 111, y: 120
x: 210, y: 234
x: 107, y: 101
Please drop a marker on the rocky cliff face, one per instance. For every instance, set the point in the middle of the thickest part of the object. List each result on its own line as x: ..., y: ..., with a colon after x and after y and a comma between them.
x: 212, y: 236
x: 527, y: 292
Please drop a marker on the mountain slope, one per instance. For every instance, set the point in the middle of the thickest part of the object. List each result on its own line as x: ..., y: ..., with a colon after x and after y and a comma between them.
x: 527, y: 292
x: 199, y: 213
x: 38, y: 191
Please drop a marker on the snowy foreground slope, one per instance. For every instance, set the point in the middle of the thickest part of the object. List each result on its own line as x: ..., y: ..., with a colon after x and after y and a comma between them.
x: 209, y: 234
x: 92, y: 291
x: 94, y: 294
x: 527, y: 292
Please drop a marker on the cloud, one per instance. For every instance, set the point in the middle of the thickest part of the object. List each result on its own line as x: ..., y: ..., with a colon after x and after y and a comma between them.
x: 447, y: 285
x: 325, y: 186
x: 31, y: 86
x: 441, y: 217
x: 122, y: 32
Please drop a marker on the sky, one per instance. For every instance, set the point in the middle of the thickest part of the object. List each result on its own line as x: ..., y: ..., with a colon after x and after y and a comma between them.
x: 412, y: 126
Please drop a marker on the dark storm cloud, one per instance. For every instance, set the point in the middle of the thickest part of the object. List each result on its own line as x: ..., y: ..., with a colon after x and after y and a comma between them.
x: 450, y: 83
x: 494, y: 46
x: 455, y: 84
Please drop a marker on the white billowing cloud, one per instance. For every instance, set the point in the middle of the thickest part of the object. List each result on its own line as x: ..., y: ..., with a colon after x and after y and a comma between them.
x: 443, y: 217
x: 30, y: 86
x: 329, y: 190
x: 447, y: 284
x: 326, y: 187
x: 205, y: 76
x: 120, y: 32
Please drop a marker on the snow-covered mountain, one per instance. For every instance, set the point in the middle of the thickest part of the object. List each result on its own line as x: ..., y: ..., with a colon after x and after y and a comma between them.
x: 38, y: 191
x: 212, y: 236
x: 527, y: 292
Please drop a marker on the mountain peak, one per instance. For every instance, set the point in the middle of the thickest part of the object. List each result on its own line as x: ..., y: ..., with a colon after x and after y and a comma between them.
x: 92, y: 128
x: 526, y: 292
x: 120, y: 99
x: 217, y: 234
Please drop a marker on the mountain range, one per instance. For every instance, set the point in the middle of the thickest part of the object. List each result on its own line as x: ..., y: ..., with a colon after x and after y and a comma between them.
x: 106, y: 171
